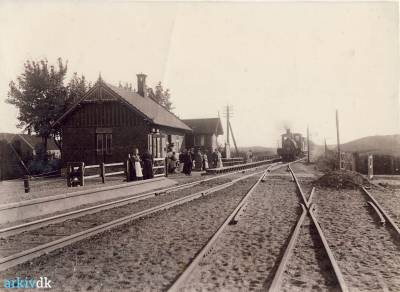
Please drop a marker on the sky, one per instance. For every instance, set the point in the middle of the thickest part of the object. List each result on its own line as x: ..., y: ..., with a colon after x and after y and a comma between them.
x: 276, y: 63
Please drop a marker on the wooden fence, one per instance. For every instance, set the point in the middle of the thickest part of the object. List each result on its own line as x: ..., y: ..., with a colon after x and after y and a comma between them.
x: 78, y: 172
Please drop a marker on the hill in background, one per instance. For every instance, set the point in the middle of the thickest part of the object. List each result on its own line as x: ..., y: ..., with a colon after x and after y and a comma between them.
x: 380, y: 144
x: 257, y: 150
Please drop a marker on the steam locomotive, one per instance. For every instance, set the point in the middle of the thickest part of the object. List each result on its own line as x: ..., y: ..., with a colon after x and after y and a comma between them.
x: 293, y: 146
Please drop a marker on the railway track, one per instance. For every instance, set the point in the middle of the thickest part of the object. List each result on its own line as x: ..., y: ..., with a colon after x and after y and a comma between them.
x: 64, y: 216
x: 368, y: 245
x: 364, y: 238
x: 60, y: 238
x: 303, y: 215
x: 307, y: 207
x: 189, y: 277
x: 180, y: 281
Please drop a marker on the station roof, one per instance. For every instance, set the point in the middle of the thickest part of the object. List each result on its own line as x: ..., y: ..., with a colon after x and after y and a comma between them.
x: 205, y: 126
x: 149, y: 108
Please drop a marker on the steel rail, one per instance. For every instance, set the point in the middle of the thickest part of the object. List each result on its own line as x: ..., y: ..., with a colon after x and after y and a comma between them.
x: 381, y: 218
x: 310, y: 207
x: 276, y: 282
x: 181, y: 279
x: 115, y: 203
x: 335, y: 266
x: 383, y: 212
x: 311, y: 196
x: 23, y: 256
x: 305, y: 201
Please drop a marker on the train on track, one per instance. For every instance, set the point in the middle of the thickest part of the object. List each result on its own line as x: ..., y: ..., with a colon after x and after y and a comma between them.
x: 292, y: 146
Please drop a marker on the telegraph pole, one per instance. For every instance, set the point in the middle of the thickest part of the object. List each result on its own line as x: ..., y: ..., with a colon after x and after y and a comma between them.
x: 228, y: 115
x: 227, y: 125
x: 338, y: 139
x: 308, y: 145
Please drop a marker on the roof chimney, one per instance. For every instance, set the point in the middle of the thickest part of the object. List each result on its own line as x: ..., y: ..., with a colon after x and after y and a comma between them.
x: 141, y: 83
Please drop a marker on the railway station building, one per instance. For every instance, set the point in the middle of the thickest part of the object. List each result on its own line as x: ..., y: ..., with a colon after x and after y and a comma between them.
x: 108, y: 122
x: 205, y: 133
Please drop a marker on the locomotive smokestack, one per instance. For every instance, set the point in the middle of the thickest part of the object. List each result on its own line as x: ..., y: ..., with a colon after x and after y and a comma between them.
x: 287, y: 131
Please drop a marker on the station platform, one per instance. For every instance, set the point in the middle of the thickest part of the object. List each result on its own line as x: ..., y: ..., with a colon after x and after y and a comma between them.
x: 56, y: 202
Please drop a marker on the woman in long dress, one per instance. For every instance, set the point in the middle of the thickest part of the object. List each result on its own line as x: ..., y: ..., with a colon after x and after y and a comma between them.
x: 205, y: 161
x: 187, y: 162
x: 198, y: 160
x: 137, y: 165
x: 181, y: 162
x: 147, y: 165
x: 131, y: 168
x: 219, y: 161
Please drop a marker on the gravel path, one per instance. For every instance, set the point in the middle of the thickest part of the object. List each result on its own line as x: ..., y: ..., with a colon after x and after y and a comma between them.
x: 245, y: 257
x: 145, y: 255
x: 365, y: 251
x: 30, y: 239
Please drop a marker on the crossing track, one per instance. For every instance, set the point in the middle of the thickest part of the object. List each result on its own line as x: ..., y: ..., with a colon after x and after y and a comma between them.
x: 190, y: 276
x: 179, y: 282
x: 35, y: 224
x: 28, y: 254
x: 307, y: 207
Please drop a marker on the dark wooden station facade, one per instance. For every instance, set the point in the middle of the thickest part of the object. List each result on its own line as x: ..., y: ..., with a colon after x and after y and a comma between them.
x: 108, y: 122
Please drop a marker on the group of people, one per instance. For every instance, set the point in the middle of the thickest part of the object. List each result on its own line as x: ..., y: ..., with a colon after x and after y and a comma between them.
x: 140, y: 167
x: 190, y: 159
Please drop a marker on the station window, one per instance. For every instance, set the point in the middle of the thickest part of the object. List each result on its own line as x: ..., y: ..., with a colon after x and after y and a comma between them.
x: 99, y: 144
x: 103, y: 144
x: 108, y: 143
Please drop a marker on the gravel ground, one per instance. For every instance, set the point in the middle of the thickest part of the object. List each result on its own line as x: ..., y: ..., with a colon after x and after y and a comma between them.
x: 306, y: 174
x: 145, y: 255
x: 309, y: 268
x: 29, y: 239
x: 245, y: 257
x: 366, y: 252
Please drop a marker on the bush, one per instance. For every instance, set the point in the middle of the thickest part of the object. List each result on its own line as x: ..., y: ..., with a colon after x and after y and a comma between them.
x: 327, y: 163
x: 39, y: 166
